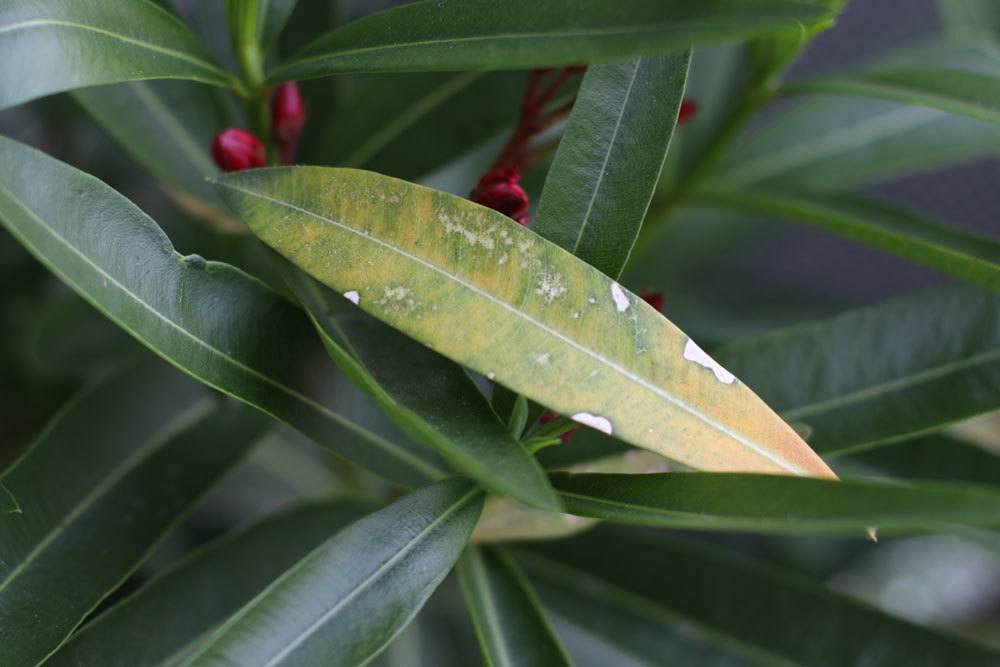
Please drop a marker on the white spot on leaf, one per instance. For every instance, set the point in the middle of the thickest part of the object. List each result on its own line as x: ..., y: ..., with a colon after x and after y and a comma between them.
x: 491, y: 375
x: 595, y: 422
x: 618, y: 294
x: 550, y: 286
x: 543, y: 358
x: 694, y: 353
x: 353, y: 296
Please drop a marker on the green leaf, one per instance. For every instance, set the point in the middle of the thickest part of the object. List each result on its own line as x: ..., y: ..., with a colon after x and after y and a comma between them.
x: 273, y: 15
x: 209, y: 319
x: 936, y: 457
x: 112, y: 473
x: 971, y: 94
x: 509, y: 623
x: 167, y: 127
x: 776, y: 503
x: 407, y: 125
x: 497, y: 298
x: 50, y: 46
x: 520, y: 34
x: 831, y: 142
x: 427, y: 396
x: 948, y: 249
x: 639, y: 593
x: 8, y: 503
x: 880, y: 374
x: 609, y: 160
x: 164, y: 621
x: 346, y: 600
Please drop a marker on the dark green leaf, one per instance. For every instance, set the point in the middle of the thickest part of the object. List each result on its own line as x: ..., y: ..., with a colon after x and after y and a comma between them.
x: 49, y: 46
x: 609, y: 160
x: 273, y: 16
x: 166, y: 619
x: 107, y: 479
x: 167, y: 127
x: 937, y: 457
x: 880, y: 374
x: 775, y: 503
x: 426, y: 395
x: 346, y: 600
x: 509, y: 623
x: 407, y: 125
x: 965, y: 93
x: 767, y: 616
x: 518, y: 34
x: 209, y: 319
x: 949, y: 249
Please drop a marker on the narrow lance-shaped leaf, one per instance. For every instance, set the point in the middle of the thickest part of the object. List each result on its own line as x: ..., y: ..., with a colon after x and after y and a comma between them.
x: 272, y: 16
x: 344, y: 602
x: 493, y: 296
x: 426, y: 395
x: 609, y: 160
x: 209, y: 319
x: 972, y: 94
x: 48, y: 46
x: 117, y: 468
x: 937, y: 457
x: 167, y: 127
x: 882, y: 373
x: 164, y: 621
x: 960, y: 253
x: 520, y: 34
x: 776, y: 503
x: 510, y: 625
x: 640, y: 593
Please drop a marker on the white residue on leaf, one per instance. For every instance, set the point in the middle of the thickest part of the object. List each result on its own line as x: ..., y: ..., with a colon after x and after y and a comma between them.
x: 618, y: 294
x: 543, y: 358
x: 550, y: 286
x: 353, y: 296
x: 694, y: 353
x: 491, y: 375
x: 595, y: 422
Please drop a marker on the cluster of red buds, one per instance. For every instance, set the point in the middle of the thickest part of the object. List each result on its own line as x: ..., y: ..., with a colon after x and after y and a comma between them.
x: 500, y: 187
x: 234, y: 149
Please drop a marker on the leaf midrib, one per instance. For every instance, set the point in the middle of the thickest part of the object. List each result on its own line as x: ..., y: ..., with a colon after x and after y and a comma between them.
x: 624, y: 31
x: 36, y: 23
x: 896, y: 384
x: 174, y: 427
x: 371, y: 578
x: 628, y: 375
x: 607, y: 156
x: 416, y: 463
x: 489, y: 608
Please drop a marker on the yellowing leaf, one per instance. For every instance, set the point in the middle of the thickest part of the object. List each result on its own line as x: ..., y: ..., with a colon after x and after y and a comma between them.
x: 496, y: 297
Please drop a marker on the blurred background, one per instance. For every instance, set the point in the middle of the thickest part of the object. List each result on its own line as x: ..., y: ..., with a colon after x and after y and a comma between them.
x: 723, y: 277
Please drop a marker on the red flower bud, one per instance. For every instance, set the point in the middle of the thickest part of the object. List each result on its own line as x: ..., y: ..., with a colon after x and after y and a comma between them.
x: 655, y: 299
x: 234, y: 149
x: 688, y: 110
x: 288, y: 116
x: 550, y: 415
x: 501, y: 191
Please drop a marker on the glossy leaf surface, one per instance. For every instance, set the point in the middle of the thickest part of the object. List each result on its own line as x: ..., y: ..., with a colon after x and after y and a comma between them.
x: 949, y: 249
x: 510, y: 625
x: 49, y: 46
x: 842, y: 141
x: 167, y: 127
x: 97, y: 492
x: 776, y: 503
x: 883, y: 373
x: 493, y: 296
x: 609, y: 159
x: 8, y: 503
x: 520, y: 34
x: 346, y: 600
x: 426, y: 395
x: 209, y: 319
x: 637, y: 592
x: 961, y: 92
x: 165, y: 620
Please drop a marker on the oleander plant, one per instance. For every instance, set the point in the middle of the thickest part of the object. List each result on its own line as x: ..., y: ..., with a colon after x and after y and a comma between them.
x: 503, y: 332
